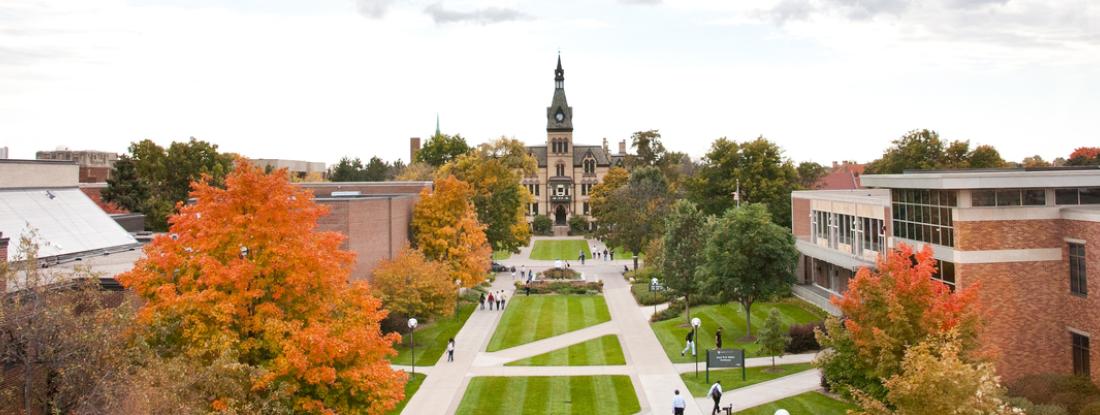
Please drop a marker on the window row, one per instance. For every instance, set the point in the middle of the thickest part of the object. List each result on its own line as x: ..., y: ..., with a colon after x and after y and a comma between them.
x: 939, y: 235
x: 1008, y: 197
x: 932, y: 215
x: 559, y: 145
x: 1086, y: 196
x: 533, y: 189
x: 859, y: 233
x: 589, y: 166
x: 924, y: 197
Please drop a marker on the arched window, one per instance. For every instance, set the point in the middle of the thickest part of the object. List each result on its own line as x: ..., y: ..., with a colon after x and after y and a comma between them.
x: 589, y: 166
x: 560, y: 170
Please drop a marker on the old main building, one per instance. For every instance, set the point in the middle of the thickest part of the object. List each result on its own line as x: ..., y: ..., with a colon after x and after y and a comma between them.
x: 566, y: 172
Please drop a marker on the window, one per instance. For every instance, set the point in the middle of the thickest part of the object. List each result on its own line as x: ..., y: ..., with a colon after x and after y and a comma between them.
x: 1065, y: 196
x: 983, y: 198
x: 1010, y: 197
x: 1035, y: 197
x: 872, y: 234
x: 1090, y: 196
x: 925, y: 215
x: 1078, y: 280
x: 585, y: 188
x: 533, y: 208
x: 585, y: 208
x: 560, y: 170
x: 589, y: 166
x: 945, y: 273
x: 560, y: 190
x: 1080, y: 354
x: 533, y: 189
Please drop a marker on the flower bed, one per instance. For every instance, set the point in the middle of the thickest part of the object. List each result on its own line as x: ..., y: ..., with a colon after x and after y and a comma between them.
x: 560, y: 274
x: 560, y: 287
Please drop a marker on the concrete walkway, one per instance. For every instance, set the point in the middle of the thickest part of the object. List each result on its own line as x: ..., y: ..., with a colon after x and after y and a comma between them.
x: 770, y: 391
x: 536, y: 348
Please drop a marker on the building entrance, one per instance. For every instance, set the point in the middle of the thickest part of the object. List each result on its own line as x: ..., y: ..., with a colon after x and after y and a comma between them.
x: 559, y: 215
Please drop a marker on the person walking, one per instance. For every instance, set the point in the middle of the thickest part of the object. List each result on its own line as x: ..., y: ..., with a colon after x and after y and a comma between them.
x: 716, y: 394
x: 690, y: 343
x: 481, y: 300
x: 491, y: 301
x: 527, y: 288
x: 451, y: 350
x: 513, y: 274
x: 612, y: 252
x: 678, y: 404
x: 503, y: 300
x: 581, y: 257
x: 718, y: 339
x: 500, y: 301
x: 605, y: 254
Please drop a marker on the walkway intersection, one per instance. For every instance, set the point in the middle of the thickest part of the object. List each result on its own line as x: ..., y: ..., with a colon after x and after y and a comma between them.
x: 653, y: 374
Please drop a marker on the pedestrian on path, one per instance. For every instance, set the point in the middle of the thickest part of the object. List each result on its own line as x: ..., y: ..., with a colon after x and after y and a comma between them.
x: 491, y: 301
x: 716, y: 394
x: 513, y: 274
x: 690, y: 343
x: 451, y: 350
x: 527, y: 289
x: 502, y: 300
x: 718, y: 338
x: 678, y: 403
x: 612, y: 252
x: 481, y: 300
x: 605, y: 254
x: 582, y: 257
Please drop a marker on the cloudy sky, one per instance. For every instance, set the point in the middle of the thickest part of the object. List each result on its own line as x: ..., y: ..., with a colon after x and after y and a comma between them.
x: 319, y: 79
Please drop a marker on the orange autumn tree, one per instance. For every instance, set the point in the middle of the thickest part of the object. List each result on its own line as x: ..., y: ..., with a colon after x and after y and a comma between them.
x: 413, y: 286
x: 246, y: 275
x: 888, y: 310
x: 446, y: 229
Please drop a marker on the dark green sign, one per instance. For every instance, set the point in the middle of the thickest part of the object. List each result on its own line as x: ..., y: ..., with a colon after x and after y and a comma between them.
x: 726, y: 358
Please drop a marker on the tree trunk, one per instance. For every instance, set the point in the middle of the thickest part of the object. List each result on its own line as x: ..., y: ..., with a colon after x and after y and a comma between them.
x: 748, y: 321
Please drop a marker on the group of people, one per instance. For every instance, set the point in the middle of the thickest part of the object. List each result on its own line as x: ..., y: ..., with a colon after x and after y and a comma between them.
x: 495, y: 298
x: 605, y: 254
x: 715, y: 393
x: 526, y: 274
x: 690, y: 341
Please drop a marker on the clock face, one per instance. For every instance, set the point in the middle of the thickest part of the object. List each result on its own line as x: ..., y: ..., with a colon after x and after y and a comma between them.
x: 560, y: 116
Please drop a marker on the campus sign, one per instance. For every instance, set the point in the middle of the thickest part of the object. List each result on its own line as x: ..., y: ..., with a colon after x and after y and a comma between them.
x: 720, y: 358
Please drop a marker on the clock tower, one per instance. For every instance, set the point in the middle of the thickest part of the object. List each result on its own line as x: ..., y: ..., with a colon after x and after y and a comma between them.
x: 559, y: 152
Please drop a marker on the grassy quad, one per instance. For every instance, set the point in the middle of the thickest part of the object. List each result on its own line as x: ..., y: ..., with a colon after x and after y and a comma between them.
x: 605, y: 350
x: 431, y: 338
x: 563, y: 249
x: 731, y: 378
x: 527, y: 319
x: 500, y: 255
x: 732, y: 319
x: 410, y: 389
x: 550, y: 395
x: 806, y: 403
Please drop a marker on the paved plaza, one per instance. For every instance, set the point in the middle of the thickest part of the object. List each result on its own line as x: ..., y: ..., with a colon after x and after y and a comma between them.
x: 655, y: 377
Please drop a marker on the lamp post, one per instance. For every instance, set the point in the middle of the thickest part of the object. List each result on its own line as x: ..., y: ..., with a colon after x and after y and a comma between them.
x: 412, y: 342
x: 653, y: 289
x: 695, y: 322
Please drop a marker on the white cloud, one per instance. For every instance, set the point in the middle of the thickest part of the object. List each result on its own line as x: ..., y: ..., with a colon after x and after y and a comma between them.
x: 373, y: 8
x: 483, y: 16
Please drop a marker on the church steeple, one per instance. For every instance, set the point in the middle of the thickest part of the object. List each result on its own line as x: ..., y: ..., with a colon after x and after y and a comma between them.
x: 559, y: 115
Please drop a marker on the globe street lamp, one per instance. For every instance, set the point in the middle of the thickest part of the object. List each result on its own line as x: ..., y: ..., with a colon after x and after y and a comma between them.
x: 653, y: 289
x: 412, y: 342
x: 695, y: 322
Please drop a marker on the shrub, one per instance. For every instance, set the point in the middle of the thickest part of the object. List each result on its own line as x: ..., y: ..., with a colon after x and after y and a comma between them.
x: 803, y: 338
x: 674, y: 310
x: 578, y: 225
x: 560, y: 287
x: 560, y: 274
x: 645, y: 297
x: 1068, y: 391
x: 542, y: 225
x: 1033, y: 409
x: 1092, y: 408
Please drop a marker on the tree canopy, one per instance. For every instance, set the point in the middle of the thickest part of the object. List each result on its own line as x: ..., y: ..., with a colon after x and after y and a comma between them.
x: 244, y: 275
x: 923, y: 150
x: 445, y: 229
x: 353, y: 170
x: 749, y: 258
x: 1084, y: 156
x: 411, y: 285
x: 161, y: 178
x: 682, y: 250
x: 633, y: 214
x: 765, y: 175
x: 441, y: 149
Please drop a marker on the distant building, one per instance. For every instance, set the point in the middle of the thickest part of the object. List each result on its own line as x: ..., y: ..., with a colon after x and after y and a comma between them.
x: 3, y: 153
x: 842, y: 176
x: 374, y: 216
x: 94, y: 166
x: 566, y: 172
x: 1028, y: 237
x: 298, y: 169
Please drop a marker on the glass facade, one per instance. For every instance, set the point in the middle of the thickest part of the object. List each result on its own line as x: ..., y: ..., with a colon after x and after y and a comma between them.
x: 1084, y: 196
x: 1008, y: 197
x: 924, y: 215
x: 857, y: 232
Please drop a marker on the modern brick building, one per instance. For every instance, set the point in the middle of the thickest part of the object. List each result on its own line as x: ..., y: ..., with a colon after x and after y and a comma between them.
x: 1027, y: 236
x: 566, y: 172
x: 374, y: 216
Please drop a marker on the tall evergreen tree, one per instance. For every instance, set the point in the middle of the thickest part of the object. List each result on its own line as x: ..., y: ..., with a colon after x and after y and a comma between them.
x: 682, y: 252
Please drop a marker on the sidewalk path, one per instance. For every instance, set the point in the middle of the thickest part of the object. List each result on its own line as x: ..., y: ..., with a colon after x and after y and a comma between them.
x: 752, y: 361
x: 536, y: 348
x: 770, y: 391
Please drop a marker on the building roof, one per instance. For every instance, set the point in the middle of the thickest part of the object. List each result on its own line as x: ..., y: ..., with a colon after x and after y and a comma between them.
x: 104, y: 266
x: 67, y: 221
x: 840, y: 177
x: 861, y: 196
x: 987, y: 179
x: 603, y: 158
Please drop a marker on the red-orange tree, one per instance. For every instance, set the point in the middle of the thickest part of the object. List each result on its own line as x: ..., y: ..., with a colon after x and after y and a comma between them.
x: 246, y: 274
x: 446, y: 229
x: 887, y: 311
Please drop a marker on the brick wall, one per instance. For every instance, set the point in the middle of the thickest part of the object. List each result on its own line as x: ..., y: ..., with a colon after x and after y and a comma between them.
x: 374, y: 228
x: 3, y: 248
x: 1028, y: 306
x: 800, y: 218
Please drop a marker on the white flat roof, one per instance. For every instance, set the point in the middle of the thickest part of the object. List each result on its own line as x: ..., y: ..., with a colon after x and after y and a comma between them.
x: 67, y: 222
x: 863, y: 196
x: 986, y: 179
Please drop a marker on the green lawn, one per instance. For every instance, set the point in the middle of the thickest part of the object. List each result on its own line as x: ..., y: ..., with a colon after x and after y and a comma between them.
x: 410, y: 390
x: 563, y: 249
x: 644, y: 296
x: 731, y: 378
x: 605, y: 350
x: 550, y: 395
x: 499, y: 255
x: 806, y: 403
x: 431, y: 338
x: 527, y: 319
x: 732, y: 319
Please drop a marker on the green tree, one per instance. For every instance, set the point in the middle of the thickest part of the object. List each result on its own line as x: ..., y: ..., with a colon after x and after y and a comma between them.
x: 682, y: 253
x: 923, y: 150
x: 648, y: 149
x: 124, y: 187
x: 633, y: 214
x: 441, y: 149
x: 541, y: 224
x: 166, y: 174
x: 773, y: 340
x: 984, y: 157
x: 347, y: 170
x: 749, y: 258
x: 376, y: 170
x: 765, y: 176
x: 1035, y: 161
x: 494, y: 170
x: 809, y: 173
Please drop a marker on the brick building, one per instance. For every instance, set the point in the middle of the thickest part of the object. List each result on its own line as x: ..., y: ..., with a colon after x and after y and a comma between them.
x: 1026, y: 236
x: 94, y: 166
x: 566, y: 172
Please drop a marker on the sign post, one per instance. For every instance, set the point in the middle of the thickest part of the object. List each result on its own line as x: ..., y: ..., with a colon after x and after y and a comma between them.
x: 726, y: 358
x: 654, y: 286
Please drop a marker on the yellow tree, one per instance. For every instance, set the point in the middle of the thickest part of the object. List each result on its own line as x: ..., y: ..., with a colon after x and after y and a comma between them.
x: 414, y: 286
x: 446, y: 229
x: 245, y: 275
